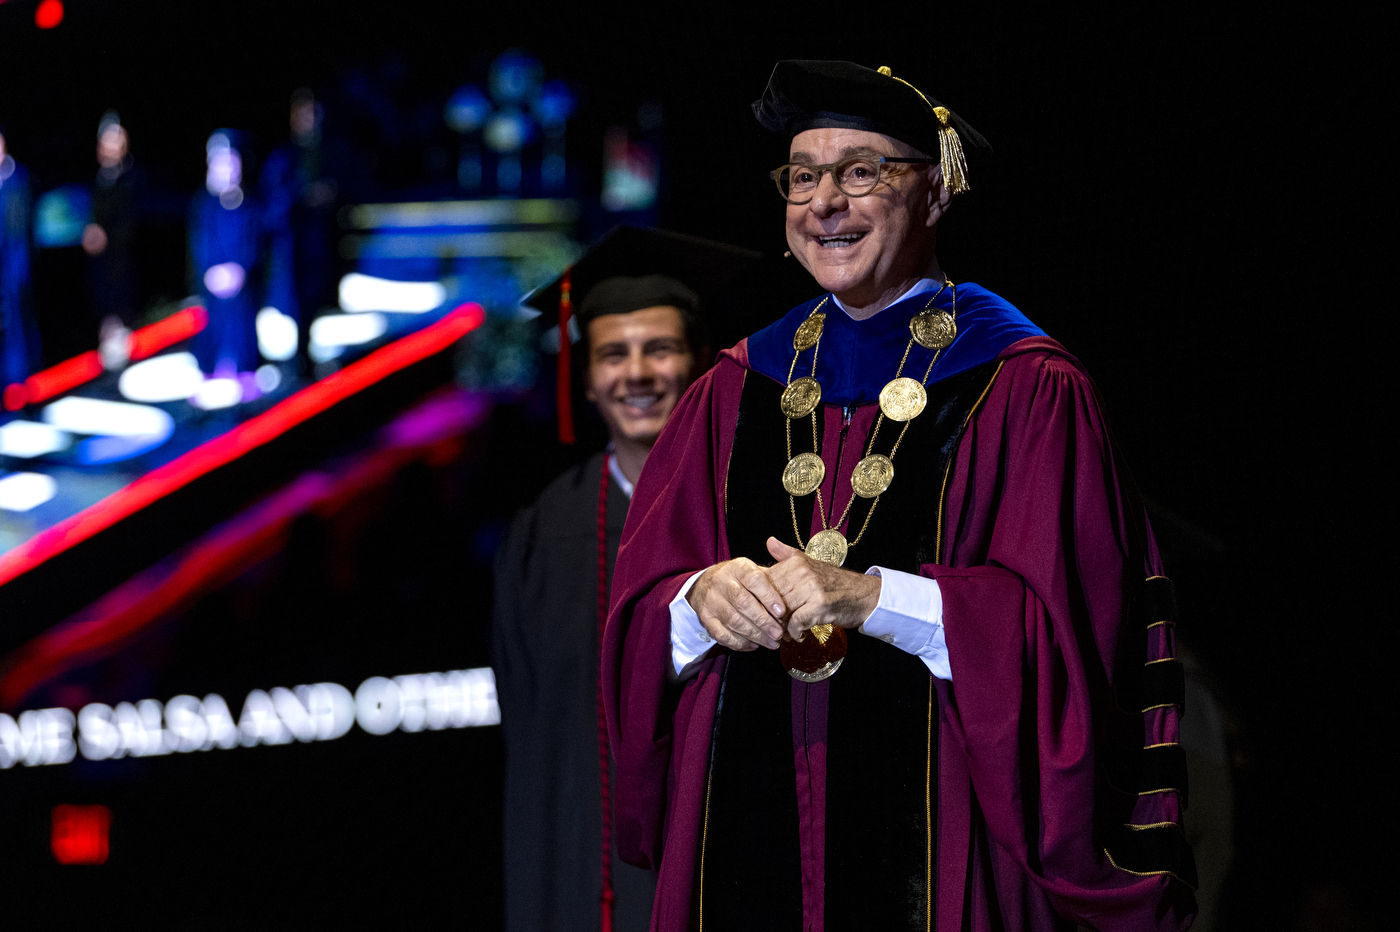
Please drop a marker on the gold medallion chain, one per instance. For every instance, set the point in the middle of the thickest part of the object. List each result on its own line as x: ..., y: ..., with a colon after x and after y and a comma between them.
x: 902, y: 399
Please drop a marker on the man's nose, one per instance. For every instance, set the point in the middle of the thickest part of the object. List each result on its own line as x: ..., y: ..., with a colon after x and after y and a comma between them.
x: 638, y: 366
x: 829, y: 199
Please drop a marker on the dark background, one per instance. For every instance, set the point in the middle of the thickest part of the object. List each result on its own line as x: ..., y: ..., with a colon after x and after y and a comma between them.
x: 1190, y: 202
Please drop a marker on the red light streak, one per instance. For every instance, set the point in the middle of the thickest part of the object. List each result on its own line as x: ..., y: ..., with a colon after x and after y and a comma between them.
x: 54, y: 380
x: 81, y: 834
x: 181, y: 325
x: 69, y: 374
x: 248, y: 436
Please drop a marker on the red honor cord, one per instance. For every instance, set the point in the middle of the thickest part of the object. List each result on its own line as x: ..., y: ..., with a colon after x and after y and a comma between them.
x: 604, y: 771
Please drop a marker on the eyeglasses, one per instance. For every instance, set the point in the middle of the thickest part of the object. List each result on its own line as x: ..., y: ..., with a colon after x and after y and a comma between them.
x: 856, y: 176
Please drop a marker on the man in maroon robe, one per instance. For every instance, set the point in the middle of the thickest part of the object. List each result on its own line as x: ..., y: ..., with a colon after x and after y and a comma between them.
x: 997, y: 748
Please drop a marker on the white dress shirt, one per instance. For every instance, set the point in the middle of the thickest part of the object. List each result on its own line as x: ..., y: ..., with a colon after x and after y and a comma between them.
x: 909, y: 616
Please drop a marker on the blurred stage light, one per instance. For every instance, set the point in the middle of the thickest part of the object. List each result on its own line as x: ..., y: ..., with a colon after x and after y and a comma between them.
x: 277, y: 334
x: 61, y: 215
x: 27, y: 439
x: 213, y: 394
x: 80, y: 834
x: 367, y: 293
x: 22, y: 491
x: 319, y: 712
x: 225, y: 279
x: 267, y: 378
x: 329, y: 334
x: 508, y: 131
x: 173, y: 377
x: 48, y: 14
x: 515, y: 77
x: 524, y: 211
x: 466, y: 109
x: 110, y: 418
x: 555, y: 104
x: 97, y: 450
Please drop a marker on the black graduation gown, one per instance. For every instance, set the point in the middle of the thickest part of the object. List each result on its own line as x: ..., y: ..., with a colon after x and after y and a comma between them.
x: 545, y: 654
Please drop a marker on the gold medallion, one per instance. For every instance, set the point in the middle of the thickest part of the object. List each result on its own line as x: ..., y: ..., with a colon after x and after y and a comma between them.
x: 808, y: 333
x: 801, y: 397
x: 872, y: 475
x: 902, y: 399
x: 803, y: 474
x: 933, y: 330
x: 814, y: 658
x: 828, y: 546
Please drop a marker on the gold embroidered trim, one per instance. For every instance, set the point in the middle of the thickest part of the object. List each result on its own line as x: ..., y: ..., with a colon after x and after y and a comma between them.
x: 1163, y: 705
x: 1165, y: 789
x: 1144, y: 827
x: 1164, y: 744
x: 1143, y: 873
x: 1159, y: 623
x: 928, y: 814
x: 704, y: 831
x: 943, y: 492
x: 1162, y: 660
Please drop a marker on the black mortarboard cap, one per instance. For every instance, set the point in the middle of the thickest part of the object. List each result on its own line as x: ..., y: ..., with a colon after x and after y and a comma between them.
x: 803, y: 95
x: 635, y: 267
x: 629, y: 269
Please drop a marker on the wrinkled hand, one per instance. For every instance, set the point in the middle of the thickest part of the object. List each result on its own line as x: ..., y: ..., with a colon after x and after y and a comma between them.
x: 817, y: 593
x: 738, y: 605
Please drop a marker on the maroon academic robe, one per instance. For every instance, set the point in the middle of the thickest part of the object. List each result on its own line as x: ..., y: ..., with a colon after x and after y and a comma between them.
x: 1044, y: 542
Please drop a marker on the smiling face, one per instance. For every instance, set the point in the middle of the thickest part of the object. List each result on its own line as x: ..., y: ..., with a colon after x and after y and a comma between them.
x: 639, y: 365
x: 866, y: 250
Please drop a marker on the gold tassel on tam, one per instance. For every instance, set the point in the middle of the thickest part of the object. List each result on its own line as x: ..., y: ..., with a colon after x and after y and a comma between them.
x: 949, y: 145
x: 951, y: 154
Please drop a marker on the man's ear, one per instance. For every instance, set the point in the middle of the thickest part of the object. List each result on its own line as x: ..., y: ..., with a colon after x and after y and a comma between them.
x: 939, y: 197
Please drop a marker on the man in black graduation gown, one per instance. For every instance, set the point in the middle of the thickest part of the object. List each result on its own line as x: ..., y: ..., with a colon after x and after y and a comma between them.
x: 640, y: 335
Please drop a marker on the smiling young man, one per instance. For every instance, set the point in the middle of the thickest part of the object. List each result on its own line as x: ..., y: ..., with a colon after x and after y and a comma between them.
x: 640, y: 346
x: 639, y: 364
x: 914, y: 462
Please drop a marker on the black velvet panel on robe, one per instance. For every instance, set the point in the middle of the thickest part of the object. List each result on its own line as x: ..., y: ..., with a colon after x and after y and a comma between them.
x: 880, y: 739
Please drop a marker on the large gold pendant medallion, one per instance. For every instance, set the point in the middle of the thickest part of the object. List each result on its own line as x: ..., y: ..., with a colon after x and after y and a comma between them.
x: 801, y: 397
x: 828, y: 546
x: 809, y: 332
x: 872, y: 475
x: 902, y: 399
x: 803, y: 474
x: 816, y: 656
x: 933, y: 330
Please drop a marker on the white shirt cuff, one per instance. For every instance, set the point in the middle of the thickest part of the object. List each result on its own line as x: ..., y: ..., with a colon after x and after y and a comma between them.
x: 689, y: 639
x: 909, y: 616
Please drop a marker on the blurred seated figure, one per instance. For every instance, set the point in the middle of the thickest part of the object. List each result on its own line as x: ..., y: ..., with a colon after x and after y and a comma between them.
x: 298, y: 192
x: 224, y: 245
x: 111, y: 238
x: 19, y: 340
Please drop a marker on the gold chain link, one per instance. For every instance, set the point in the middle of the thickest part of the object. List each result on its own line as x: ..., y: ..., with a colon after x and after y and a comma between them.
x: 875, y: 432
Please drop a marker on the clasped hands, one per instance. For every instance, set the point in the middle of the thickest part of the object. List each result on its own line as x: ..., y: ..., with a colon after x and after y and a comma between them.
x: 744, y: 606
